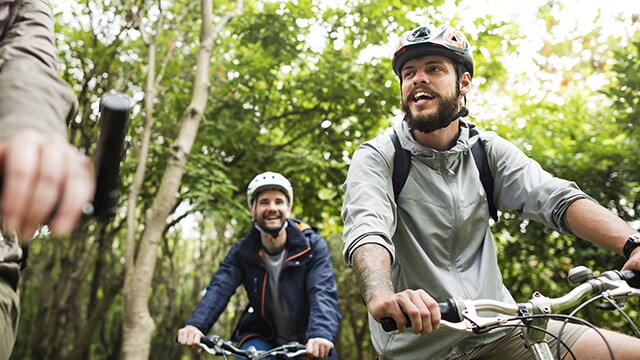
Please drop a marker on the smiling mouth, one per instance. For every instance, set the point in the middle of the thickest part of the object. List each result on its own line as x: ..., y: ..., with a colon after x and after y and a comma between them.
x: 272, y: 217
x: 421, y: 95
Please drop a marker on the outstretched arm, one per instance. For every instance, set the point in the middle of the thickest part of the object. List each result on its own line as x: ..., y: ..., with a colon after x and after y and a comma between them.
x: 372, y: 264
x: 591, y: 221
x: 45, y: 179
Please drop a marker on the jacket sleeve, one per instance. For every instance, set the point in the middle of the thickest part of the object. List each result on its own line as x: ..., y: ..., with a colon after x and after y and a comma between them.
x: 32, y: 94
x: 521, y: 185
x: 369, y: 209
x: 324, y: 315
x: 222, y: 286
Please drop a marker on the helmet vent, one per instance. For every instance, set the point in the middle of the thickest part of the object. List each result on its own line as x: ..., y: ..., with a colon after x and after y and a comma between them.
x: 419, y: 34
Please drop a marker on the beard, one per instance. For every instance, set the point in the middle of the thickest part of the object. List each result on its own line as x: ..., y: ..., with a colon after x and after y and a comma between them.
x: 261, y: 222
x: 444, y: 115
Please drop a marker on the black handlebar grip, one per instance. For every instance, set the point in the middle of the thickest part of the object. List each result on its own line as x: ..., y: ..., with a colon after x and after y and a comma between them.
x: 632, y: 277
x: 388, y: 324
x: 208, y: 341
x: 114, y: 115
x: 448, y: 311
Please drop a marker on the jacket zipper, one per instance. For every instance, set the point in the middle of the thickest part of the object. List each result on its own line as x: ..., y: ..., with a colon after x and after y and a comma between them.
x: 449, y: 174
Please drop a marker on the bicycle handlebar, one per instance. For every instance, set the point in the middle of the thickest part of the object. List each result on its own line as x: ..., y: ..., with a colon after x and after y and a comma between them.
x: 217, y: 346
x: 114, y: 115
x: 462, y: 315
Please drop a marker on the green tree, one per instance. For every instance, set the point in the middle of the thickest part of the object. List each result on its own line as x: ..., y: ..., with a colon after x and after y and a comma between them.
x: 295, y: 87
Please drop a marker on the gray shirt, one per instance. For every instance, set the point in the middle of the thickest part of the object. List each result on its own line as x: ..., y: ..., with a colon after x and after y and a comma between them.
x: 438, y: 233
x: 285, y: 331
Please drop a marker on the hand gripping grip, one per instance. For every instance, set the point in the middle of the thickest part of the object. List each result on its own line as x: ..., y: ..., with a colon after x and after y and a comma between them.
x: 448, y: 312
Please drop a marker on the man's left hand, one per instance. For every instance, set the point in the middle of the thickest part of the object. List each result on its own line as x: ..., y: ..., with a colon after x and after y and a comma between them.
x: 634, y: 261
x: 319, y: 348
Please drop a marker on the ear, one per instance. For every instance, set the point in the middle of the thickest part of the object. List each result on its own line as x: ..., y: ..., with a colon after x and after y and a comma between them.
x: 252, y: 210
x: 465, y: 83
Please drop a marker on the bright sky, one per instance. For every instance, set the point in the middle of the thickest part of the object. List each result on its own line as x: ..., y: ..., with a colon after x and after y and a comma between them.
x: 578, y: 17
x: 575, y: 18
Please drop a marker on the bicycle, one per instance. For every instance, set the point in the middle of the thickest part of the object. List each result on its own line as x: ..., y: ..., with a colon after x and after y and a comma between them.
x: 612, y: 286
x: 217, y: 346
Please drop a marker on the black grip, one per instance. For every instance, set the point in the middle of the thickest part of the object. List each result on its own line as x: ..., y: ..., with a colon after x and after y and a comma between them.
x: 388, y: 324
x: 448, y: 312
x: 632, y: 277
x: 209, y: 341
x: 114, y: 115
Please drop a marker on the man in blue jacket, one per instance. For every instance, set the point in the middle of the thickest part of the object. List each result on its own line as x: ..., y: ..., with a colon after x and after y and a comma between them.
x: 286, y: 269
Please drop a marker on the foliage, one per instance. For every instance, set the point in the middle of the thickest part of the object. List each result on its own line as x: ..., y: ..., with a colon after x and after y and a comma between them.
x: 296, y: 87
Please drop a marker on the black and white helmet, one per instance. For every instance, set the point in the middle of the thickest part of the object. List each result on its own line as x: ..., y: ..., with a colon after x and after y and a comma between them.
x: 269, y: 181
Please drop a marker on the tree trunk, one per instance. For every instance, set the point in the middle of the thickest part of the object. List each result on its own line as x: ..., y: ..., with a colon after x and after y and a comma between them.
x: 98, y: 313
x: 138, y: 325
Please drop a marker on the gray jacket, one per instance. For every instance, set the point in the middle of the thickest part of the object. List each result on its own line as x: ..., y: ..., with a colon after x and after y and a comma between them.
x: 32, y: 94
x: 438, y: 233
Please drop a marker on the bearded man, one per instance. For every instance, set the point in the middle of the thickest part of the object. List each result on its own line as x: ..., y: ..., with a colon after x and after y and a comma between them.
x: 429, y: 239
x: 286, y: 270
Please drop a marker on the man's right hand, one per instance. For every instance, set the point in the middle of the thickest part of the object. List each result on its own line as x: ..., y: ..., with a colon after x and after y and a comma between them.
x: 189, y: 336
x: 421, y: 309
x: 376, y: 288
x: 45, y: 181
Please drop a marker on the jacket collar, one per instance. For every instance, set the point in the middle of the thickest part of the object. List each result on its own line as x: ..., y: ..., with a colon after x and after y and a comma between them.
x: 430, y: 156
x: 408, y: 142
x: 296, y: 242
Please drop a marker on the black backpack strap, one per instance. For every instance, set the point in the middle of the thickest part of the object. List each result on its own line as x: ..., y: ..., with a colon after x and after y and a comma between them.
x: 480, y: 158
x: 401, y: 165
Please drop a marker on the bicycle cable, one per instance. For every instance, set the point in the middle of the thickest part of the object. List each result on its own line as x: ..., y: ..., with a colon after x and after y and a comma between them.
x: 572, y: 314
x: 521, y: 325
x: 624, y: 314
x: 558, y: 338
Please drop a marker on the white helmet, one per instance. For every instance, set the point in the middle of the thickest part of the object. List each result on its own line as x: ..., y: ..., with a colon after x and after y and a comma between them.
x: 269, y: 180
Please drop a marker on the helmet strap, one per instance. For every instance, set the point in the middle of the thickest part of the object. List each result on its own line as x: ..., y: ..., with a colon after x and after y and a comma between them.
x: 463, y: 110
x: 273, y: 233
x: 462, y: 113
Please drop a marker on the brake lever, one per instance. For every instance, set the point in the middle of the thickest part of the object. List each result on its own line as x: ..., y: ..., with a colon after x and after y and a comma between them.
x: 618, y: 291
x: 472, y: 322
x: 211, y: 345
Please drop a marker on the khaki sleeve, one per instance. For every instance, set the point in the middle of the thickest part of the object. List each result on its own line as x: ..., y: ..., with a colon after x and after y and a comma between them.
x: 32, y: 94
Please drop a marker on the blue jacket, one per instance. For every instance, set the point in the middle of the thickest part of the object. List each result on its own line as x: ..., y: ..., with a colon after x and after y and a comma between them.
x: 306, y: 283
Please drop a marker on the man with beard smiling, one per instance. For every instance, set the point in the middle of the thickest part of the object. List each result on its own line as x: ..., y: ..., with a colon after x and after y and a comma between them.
x: 286, y: 269
x: 432, y: 241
